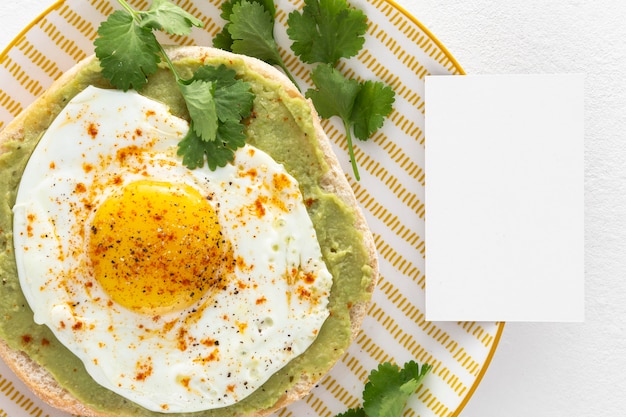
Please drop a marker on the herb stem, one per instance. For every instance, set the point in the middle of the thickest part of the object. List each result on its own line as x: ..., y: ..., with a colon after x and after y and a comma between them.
x: 167, y: 59
x: 129, y: 9
x: 355, y: 168
x: 282, y: 65
x: 170, y: 64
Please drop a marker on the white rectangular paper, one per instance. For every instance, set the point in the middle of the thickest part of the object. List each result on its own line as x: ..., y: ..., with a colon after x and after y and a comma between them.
x: 505, y: 198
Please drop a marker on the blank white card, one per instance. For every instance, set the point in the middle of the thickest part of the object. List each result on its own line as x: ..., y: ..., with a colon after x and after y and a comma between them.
x: 505, y: 198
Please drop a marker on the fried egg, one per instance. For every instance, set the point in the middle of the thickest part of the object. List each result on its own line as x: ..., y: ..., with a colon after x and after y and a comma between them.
x: 181, y: 290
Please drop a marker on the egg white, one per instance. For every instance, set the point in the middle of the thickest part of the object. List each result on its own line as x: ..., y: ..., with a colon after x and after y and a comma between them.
x: 117, y: 345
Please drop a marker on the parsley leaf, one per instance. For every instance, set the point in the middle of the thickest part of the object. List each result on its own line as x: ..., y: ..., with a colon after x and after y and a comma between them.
x: 361, y: 106
x: 164, y: 15
x: 128, y: 53
x: 326, y: 31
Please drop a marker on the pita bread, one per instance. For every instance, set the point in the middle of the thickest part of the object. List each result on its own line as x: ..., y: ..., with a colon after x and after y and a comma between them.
x: 333, y: 181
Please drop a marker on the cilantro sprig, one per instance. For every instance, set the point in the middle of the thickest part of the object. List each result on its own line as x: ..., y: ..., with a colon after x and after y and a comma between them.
x: 326, y: 31
x: 388, y: 390
x: 217, y: 102
x: 250, y: 31
x: 126, y: 46
x: 323, y: 32
x: 232, y: 102
x: 361, y: 106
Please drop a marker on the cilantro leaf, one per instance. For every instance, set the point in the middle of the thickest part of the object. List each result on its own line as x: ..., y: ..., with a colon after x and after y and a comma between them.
x: 200, y: 103
x: 216, y: 100
x: 218, y: 152
x: 373, y: 103
x: 126, y: 46
x: 334, y: 94
x: 231, y: 135
x: 362, y: 107
x: 164, y: 15
x: 227, y: 7
x: 234, y: 102
x: 269, y: 6
x: 231, y: 102
x: 412, y: 370
x: 127, y: 52
x: 252, y: 30
x: 353, y: 412
x: 326, y: 31
x: 233, y: 98
x: 249, y: 30
x: 193, y: 150
x: 224, y: 40
x: 389, y: 387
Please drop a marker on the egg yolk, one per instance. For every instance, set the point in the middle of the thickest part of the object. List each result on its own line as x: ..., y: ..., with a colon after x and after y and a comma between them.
x: 156, y: 247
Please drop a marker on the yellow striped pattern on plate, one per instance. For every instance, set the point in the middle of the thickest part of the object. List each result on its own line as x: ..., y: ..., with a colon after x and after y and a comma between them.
x: 398, y: 51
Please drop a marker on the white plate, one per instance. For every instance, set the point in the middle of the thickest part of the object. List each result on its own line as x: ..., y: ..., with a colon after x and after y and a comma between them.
x: 398, y: 51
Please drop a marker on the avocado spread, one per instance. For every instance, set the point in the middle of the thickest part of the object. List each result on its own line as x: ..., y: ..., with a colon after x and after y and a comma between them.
x: 275, y: 115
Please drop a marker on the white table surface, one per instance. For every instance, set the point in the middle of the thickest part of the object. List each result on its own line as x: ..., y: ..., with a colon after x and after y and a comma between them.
x: 540, y: 369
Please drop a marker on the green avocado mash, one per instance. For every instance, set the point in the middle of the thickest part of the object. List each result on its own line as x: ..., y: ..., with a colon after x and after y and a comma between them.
x: 275, y: 115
